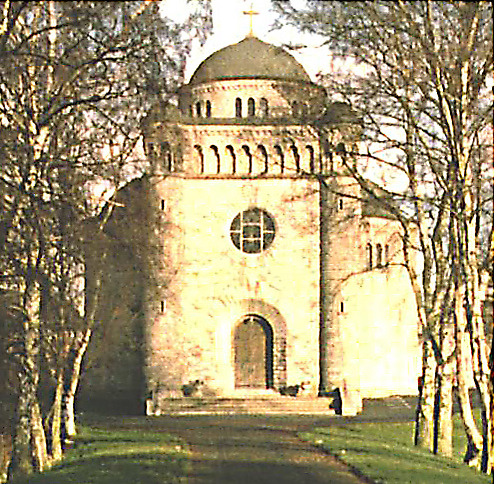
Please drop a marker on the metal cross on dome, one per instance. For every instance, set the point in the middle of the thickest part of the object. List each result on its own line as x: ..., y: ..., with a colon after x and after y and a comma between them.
x: 251, y: 13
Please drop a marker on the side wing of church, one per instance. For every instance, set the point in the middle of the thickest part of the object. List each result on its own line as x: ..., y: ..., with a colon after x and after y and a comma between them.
x: 265, y: 264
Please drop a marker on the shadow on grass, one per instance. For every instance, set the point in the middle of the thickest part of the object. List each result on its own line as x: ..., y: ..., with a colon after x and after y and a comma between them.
x: 385, y: 453
x: 108, y: 457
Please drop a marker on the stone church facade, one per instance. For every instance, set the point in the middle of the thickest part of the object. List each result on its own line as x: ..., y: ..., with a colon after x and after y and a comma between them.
x: 266, y: 265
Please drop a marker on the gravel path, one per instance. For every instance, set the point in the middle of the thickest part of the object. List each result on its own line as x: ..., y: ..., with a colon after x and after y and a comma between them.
x: 254, y: 450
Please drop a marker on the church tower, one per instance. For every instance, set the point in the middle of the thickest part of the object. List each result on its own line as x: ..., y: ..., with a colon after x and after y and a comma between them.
x: 266, y: 265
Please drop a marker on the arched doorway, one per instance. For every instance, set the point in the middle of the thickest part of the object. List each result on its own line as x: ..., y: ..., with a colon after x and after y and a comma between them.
x: 253, y: 353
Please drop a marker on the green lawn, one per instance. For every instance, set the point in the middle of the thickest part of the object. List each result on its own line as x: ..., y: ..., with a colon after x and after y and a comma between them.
x: 384, y: 452
x: 118, y: 457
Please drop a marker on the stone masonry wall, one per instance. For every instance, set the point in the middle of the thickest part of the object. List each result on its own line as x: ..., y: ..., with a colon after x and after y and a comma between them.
x: 206, y: 285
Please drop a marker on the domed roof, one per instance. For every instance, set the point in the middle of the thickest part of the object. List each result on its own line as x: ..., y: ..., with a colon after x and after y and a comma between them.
x: 250, y: 59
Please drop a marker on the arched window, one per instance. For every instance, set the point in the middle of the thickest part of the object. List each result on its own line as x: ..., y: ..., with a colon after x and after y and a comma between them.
x: 230, y: 150
x: 296, y: 157
x: 280, y: 155
x: 386, y: 255
x: 238, y: 108
x: 215, y: 152
x: 370, y: 257
x: 199, y: 159
x: 251, y: 107
x: 328, y: 162
x: 295, y: 108
x: 198, y: 109
x: 264, y: 107
x: 150, y: 149
x: 340, y: 149
x: 246, y: 149
x: 208, y: 109
x: 264, y: 158
x: 379, y: 255
x: 311, y: 158
x: 166, y: 154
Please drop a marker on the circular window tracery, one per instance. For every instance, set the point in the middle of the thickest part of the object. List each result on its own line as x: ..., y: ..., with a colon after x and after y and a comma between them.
x: 253, y: 230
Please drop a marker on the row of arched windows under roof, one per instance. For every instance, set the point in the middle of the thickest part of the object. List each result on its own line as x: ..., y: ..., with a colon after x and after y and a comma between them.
x: 260, y: 159
x: 201, y: 109
x: 251, y: 109
x: 245, y: 159
x: 377, y: 256
x: 164, y: 151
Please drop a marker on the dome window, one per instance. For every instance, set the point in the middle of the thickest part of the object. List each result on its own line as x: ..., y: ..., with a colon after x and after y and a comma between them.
x: 252, y: 231
x: 198, y: 109
x: 238, y: 108
x: 295, y: 108
x: 251, y: 107
x: 264, y: 107
x: 280, y: 155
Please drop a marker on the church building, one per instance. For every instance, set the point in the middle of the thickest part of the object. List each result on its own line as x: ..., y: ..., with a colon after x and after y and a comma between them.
x: 267, y: 265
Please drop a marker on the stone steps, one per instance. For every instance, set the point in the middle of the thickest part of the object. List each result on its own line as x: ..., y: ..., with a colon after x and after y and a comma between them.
x: 273, y: 405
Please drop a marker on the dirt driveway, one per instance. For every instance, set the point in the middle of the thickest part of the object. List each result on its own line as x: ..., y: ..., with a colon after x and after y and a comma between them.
x: 254, y: 450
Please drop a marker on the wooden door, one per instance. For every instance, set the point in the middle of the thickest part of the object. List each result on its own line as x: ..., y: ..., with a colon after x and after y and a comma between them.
x: 251, y: 353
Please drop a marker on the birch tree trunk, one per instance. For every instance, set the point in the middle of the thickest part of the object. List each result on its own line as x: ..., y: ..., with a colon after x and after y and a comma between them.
x: 29, y: 446
x: 80, y: 345
x: 424, y: 433
x: 443, y: 443
x: 55, y: 420
x: 464, y: 378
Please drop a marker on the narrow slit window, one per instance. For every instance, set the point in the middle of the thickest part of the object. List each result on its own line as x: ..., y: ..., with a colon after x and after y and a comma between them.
x: 208, y: 109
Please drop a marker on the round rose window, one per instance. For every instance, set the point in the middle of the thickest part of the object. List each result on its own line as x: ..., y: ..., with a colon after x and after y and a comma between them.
x: 252, y: 230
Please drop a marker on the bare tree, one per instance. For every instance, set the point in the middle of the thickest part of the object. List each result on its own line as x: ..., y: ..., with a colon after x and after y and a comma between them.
x: 75, y: 80
x: 421, y: 84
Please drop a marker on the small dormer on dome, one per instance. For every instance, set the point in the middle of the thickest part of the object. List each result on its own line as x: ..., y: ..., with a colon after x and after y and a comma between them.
x: 250, y: 59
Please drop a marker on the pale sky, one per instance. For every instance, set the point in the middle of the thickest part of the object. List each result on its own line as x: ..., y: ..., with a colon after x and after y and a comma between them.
x: 230, y: 25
